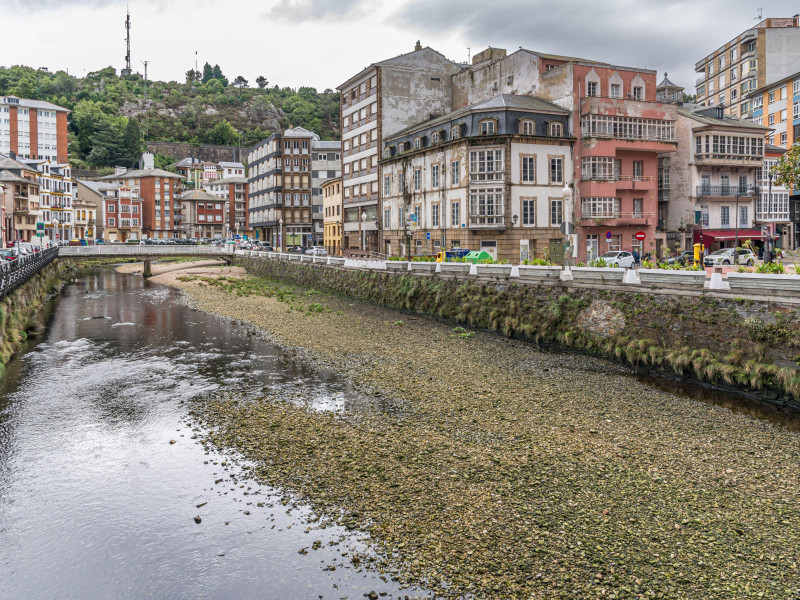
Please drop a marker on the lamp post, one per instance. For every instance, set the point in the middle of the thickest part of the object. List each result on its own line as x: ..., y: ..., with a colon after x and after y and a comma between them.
x: 768, y: 249
x: 736, y: 238
x: 362, y: 234
x: 280, y: 235
x: 566, y: 193
x: 3, y: 240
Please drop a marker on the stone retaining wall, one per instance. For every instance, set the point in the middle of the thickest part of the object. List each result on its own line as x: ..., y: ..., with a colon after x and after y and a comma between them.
x: 741, y: 343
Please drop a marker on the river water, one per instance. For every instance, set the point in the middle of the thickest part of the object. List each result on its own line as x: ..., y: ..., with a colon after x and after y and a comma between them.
x: 95, y: 502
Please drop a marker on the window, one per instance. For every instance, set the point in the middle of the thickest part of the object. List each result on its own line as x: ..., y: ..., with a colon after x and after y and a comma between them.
x: 704, y: 214
x: 488, y: 127
x: 556, y: 130
x: 387, y: 218
x: 435, y: 137
x: 734, y: 94
x: 796, y: 110
x: 616, y: 90
x: 401, y: 218
x: 486, y: 206
x: 733, y: 75
x: 401, y: 183
x: 455, y: 214
x: 556, y: 170
x: 529, y: 212
x: 638, y: 170
x: 527, y: 127
x: 638, y: 208
x: 556, y: 212
x: 112, y: 222
x: 592, y: 88
x: 613, y: 126
x: 455, y: 174
x: 387, y: 185
x: 486, y: 165
x: 600, y: 208
x: 783, y: 116
x: 733, y: 55
x: 455, y: 132
x: 435, y: 177
x: 722, y: 98
x: 638, y: 92
x: 112, y: 208
x: 417, y: 180
x: 602, y: 168
x: 772, y: 119
x: 417, y: 143
x: 435, y: 216
x: 417, y: 213
x: 743, y: 220
x: 783, y: 139
x: 528, y: 169
x: 725, y: 216
x: 772, y: 97
x: 721, y: 61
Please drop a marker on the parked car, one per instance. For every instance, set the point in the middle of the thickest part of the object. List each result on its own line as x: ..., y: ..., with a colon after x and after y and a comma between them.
x: 317, y: 251
x: 683, y: 258
x: 618, y: 259
x: 9, y: 254
x: 265, y: 247
x: 725, y: 257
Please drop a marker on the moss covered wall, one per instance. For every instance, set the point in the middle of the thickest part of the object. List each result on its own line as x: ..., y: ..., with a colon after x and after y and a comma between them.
x: 740, y: 343
x: 18, y: 311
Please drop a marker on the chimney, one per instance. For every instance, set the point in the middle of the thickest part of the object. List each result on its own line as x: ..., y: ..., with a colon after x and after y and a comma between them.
x: 418, y: 46
x: 120, y: 170
x: 489, y: 54
x: 12, y: 155
x: 148, y: 160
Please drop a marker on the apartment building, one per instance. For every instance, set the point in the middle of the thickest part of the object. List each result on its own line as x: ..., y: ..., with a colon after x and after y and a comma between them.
x: 281, y: 188
x: 33, y: 129
x: 756, y: 58
x: 56, y: 199
x: 777, y: 212
x: 777, y: 106
x: 231, y: 169
x: 487, y: 177
x: 118, y: 210
x: 379, y: 101
x: 204, y: 215
x: 161, y: 199
x: 326, y: 157
x: 234, y: 191
x: 714, y: 179
x: 332, y: 214
x: 21, y: 200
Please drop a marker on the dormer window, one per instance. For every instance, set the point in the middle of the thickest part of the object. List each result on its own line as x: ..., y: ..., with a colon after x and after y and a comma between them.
x: 387, y: 153
x: 417, y: 143
x: 455, y: 132
x: 527, y: 127
x: 435, y: 137
x: 556, y: 130
x: 488, y: 127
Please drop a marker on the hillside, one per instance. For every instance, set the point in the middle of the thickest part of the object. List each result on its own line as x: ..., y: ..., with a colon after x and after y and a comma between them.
x: 111, y: 115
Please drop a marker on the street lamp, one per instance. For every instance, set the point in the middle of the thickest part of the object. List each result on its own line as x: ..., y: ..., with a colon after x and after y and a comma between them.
x: 768, y: 249
x: 566, y: 193
x: 280, y: 235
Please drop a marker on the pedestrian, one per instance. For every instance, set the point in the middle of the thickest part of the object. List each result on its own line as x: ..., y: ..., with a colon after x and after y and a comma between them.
x: 636, y: 256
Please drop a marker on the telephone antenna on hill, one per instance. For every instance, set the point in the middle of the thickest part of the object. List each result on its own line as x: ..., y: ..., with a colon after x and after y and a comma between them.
x: 758, y: 18
x: 126, y: 72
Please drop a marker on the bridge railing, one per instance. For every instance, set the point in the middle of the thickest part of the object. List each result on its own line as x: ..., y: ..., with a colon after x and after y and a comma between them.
x: 141, y: 250
x: 14, y: 273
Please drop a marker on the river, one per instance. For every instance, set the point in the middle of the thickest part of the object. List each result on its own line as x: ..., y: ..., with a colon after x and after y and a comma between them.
x: 95, y: 500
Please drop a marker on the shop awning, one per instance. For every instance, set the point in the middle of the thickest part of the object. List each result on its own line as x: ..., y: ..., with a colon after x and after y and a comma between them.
x: 723, y: 235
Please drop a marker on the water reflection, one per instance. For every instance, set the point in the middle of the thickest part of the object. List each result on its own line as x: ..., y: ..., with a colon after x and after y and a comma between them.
x: 95, y: 502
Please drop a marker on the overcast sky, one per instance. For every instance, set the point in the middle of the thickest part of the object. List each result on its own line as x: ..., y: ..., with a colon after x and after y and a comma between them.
x: 322, y: 43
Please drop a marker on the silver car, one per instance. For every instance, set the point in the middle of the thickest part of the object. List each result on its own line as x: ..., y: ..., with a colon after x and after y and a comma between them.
x: 618, y: 259
x: 725, y: 257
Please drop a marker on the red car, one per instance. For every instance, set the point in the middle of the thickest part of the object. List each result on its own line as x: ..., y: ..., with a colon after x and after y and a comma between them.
x: 9, y: 254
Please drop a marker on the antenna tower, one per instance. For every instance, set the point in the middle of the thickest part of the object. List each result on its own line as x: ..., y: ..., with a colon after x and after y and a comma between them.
x: 126, y: 72
x: 146, y: 100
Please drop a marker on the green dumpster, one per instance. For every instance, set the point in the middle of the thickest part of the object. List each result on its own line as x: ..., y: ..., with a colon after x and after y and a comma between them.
x: 477, y: 255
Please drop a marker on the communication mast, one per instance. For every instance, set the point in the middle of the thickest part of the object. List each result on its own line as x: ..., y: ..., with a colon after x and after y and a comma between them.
x: 126, y: 72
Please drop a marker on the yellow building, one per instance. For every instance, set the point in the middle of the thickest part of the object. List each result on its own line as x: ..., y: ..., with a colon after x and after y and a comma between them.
x: 332, y: 210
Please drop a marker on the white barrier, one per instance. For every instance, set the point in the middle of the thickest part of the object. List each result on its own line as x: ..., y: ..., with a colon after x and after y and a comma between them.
x: 141, y: 250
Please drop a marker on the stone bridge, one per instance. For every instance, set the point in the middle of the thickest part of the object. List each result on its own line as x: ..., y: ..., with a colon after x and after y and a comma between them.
x: 146, y: 252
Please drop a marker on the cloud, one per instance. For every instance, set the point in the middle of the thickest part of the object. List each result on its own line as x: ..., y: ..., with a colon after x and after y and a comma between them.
x: 297, y: 11
x: 667, y: 35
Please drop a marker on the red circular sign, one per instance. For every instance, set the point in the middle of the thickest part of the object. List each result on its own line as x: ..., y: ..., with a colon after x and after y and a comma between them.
x: 640, y: 235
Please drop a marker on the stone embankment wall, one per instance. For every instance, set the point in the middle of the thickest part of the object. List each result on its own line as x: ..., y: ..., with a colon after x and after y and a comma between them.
x: 20, y: 310
x: 744, y: 344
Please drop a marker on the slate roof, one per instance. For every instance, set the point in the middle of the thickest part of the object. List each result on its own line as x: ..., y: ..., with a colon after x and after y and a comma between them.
x: 138, y: 173
x: 9, y: 177
x: 26, y: 103
x: 704, y: 115
x: 666, y: 83
x: 200, y: 195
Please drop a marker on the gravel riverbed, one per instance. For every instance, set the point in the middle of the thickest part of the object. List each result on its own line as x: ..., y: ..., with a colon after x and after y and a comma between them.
x: 487, y: 468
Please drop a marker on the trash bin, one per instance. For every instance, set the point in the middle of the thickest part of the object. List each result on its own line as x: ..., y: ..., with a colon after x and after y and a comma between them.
x: 477, y: 255
x: 457, y: 253
x: 698, y: 253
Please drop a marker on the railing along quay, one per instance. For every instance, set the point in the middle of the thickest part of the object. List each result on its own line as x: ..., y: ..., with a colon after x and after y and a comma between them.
x: 14, y: 273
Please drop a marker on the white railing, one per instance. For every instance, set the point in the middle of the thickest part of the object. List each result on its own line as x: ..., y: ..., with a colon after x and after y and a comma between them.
x: 142, y: 250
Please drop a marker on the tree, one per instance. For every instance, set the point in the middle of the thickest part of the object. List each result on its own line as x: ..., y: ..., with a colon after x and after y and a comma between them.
x: 223, y: 133
x: 787, y: 172
x: 107, y: 145
x: 132, y: 141
x: 193, y: 76
x: 262, y: 82
x: 25, y: 88
x: 240, y: 82
x: 213, y: 86
x: 217, y: 74
x: 208, y: 72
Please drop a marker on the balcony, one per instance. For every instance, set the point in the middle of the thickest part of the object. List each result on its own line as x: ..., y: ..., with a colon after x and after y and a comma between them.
x: 616, y: 219
x: 726, y: 191
x: 663, y: 195
x: 487, y: 222
x: 700, y: 80
x: 662, y: 225
x: 712, y: 159
x: 772, y: 217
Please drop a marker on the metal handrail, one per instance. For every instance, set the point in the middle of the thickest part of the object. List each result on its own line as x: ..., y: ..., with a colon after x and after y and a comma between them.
x: 15, y: 273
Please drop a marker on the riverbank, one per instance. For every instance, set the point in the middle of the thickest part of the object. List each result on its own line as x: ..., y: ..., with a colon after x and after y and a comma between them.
x: 489, y: 467
x: 20, y: 311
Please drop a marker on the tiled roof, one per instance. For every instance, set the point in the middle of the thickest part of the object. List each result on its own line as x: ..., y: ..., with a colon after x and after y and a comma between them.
x: 704, y: 114
x: 9, y: 177
x: 138, y: 173
x: 26, y: 103
x: 199, y: 195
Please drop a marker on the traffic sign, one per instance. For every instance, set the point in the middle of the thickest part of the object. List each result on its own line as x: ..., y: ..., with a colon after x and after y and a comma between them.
x: 308, y: 237
x: 428, y: 235
x: 567, y: 228
x: 39, y: 226
x: 640, y: 235
x: 608, y: 235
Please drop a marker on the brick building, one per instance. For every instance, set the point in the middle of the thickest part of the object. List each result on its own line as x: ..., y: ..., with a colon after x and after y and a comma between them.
x: 20, y: 209
x: 33, y: 129
x: 234, y: 191
x: 117, y: 210
x: 204, y: 215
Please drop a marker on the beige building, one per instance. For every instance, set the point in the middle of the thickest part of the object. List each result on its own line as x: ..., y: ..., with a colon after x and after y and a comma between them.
x: 112, y: 212
x: 760, y: 56
x: 376, y: 103
x: 332, y: 215
x: 21, y: 198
